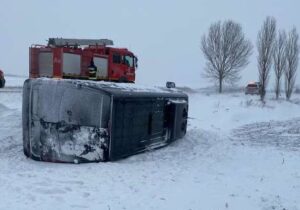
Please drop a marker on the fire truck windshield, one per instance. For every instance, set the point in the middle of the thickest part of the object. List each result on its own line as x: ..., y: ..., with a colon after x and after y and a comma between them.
x: 128, y: 60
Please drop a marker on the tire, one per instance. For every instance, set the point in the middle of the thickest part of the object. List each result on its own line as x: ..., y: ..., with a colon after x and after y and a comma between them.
x: 123, y: 80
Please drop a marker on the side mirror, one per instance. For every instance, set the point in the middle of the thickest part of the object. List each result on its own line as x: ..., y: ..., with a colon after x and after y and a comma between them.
x: 135, y: 62
x: 170, y: 85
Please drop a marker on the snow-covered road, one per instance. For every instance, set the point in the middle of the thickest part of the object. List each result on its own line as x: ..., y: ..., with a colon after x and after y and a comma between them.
x: 237, y: 154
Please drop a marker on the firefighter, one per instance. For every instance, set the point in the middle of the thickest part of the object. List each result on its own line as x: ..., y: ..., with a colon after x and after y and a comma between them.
x: 92, y: 70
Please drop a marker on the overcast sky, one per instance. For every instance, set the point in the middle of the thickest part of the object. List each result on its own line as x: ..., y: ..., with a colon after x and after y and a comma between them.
x: 165, y: 35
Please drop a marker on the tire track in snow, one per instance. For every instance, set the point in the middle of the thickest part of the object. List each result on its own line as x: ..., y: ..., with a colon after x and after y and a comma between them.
x: 281, y: 134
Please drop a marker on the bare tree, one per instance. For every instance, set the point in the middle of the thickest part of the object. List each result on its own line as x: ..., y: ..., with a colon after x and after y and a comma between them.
x: 226, y: 50
x: 265, y: 40
x: 292, y: 59
x: 279, y: 59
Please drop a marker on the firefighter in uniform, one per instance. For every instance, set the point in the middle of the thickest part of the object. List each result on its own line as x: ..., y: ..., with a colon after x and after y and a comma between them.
x: 92, y: 70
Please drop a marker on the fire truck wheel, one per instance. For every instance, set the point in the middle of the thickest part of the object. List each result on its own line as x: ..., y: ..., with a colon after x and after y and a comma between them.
x: 123, y: 79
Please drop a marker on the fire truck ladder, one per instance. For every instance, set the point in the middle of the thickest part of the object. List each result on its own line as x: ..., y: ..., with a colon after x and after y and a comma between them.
x: 61, y: 42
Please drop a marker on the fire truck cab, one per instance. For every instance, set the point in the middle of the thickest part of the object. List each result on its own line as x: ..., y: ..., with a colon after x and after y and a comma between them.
x: 71, y: 58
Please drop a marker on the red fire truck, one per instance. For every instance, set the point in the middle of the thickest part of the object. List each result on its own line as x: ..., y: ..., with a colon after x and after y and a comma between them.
x: 71, y: 58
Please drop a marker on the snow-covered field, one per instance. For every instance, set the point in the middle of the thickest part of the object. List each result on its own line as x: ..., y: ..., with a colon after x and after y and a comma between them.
x: 237, y: 154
